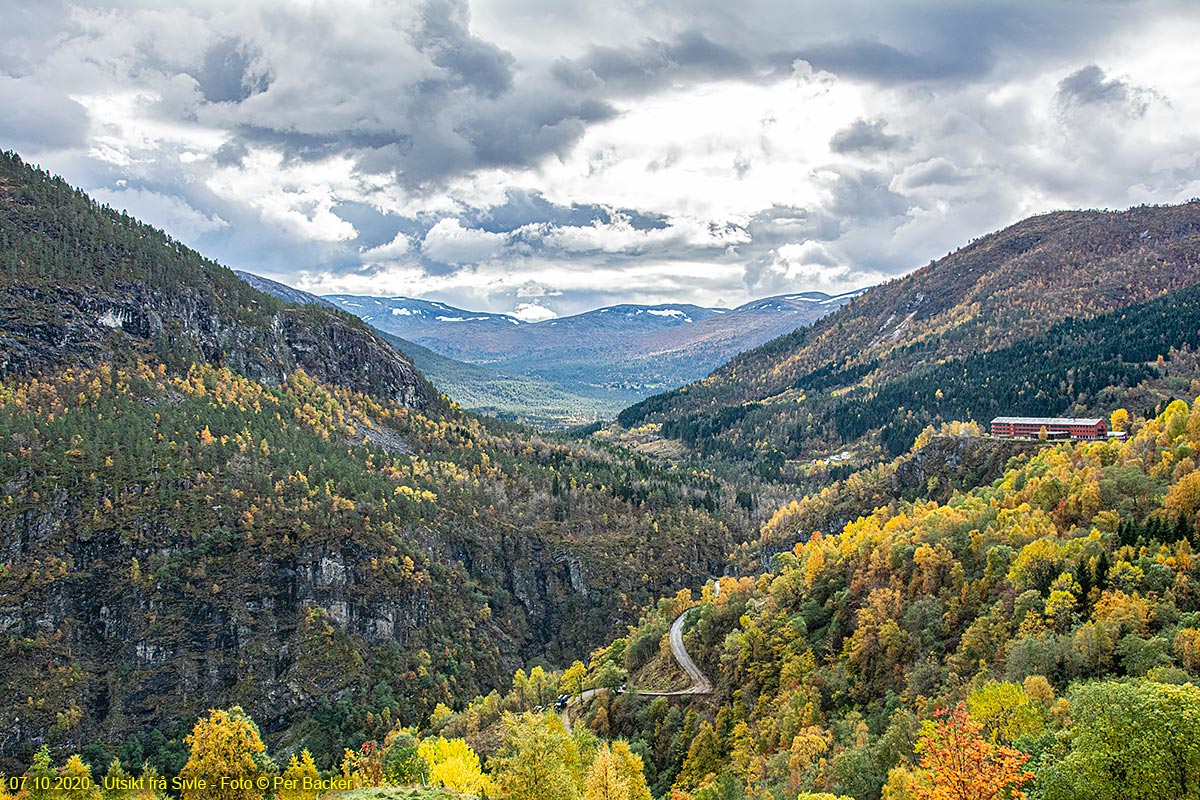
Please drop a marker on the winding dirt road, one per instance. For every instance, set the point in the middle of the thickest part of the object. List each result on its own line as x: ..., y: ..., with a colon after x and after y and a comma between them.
x: 700, y: 681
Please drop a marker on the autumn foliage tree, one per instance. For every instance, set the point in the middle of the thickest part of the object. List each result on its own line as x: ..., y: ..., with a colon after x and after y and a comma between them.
x: 453, y: 764
x: 959, y: 764
x: 603, y: 781
x: 1130, y: 741
x: 225, y: 744
x: 616, y: 774
x: 300, y: 777
x: 537, y: 760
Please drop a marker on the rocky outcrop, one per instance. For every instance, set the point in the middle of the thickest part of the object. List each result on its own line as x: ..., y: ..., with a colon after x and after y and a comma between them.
x: 933, y: 472
x: 950, y: 463
x: 46, y: 327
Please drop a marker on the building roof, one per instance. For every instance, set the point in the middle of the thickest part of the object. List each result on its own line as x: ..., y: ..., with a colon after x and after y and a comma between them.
x: 1047, y: 421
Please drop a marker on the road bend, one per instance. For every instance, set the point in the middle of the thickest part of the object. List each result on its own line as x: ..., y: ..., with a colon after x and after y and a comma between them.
x: 700, y: 682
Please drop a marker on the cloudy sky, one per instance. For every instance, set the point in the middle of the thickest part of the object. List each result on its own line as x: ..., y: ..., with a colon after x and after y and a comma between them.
x: 548, y: 156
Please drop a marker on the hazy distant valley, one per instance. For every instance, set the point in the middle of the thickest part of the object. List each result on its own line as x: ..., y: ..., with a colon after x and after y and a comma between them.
x: 571, y: 370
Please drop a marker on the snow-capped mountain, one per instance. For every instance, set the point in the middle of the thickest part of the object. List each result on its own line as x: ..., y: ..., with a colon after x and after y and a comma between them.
x: 630, y: 349
x: 402, y: 315
x: 600, y: 360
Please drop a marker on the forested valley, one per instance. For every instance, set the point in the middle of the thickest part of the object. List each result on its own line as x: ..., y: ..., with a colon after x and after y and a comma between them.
x: 245, y: 539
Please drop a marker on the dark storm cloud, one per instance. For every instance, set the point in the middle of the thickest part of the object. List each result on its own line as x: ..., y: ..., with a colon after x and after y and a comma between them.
x: 885, y: 64
x: 227, y: 74
x: 453, y: 106
x: 467, y: 60
x: 523, y: 207
x: 33, y: 117
x: 399, y: 117
x: 642, y: 68
x: 1090, y: 86
x: 301, y: 146
x: 540, y: 126
x: 779, y: 224
x: 865, y: 136
x: 921, y: 42
x: 865, y: 196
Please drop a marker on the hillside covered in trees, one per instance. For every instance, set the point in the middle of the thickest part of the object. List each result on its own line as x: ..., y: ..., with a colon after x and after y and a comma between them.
x: 1063, y: 313
x: 214, y: 497
x: 246, y: 538
x: 1057, y: 608
x: 1038, y: 637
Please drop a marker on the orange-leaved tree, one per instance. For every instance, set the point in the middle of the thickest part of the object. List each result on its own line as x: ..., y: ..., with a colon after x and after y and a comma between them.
x: 959, y: 764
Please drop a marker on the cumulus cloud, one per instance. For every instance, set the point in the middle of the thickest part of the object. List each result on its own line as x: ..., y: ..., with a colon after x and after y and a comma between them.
x: 450, y: 243
x: 171, y: 214
x: 647, y: 66
x: 865, y: 136
x: 399, y: 247
x: 493, y: 154
x: 533, y: 312
x: 531, y: 289
x: 619, y: 235
x: 810, y: 263
x: 1090, y: 86
x: 230, y: 73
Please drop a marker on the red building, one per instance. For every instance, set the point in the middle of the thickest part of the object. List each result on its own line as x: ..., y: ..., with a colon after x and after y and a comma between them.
x: 1055, y: 427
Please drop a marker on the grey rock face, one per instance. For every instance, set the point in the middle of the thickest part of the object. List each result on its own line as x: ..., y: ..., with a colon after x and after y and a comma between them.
x: 67, y: 325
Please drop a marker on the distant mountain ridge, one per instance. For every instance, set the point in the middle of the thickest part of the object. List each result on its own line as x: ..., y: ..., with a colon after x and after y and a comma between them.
x: 413, y: 314
x: 928, y: 346
x: 614, y: 355
x: 479, y: 388
x: 282, y: 290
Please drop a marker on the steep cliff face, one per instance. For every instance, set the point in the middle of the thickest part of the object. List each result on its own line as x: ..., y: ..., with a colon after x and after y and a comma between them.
x: 206, y: 623
x: 47, y: 327
x: 213, y: 497
x: 81, y: 284
x: 171, y: 543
